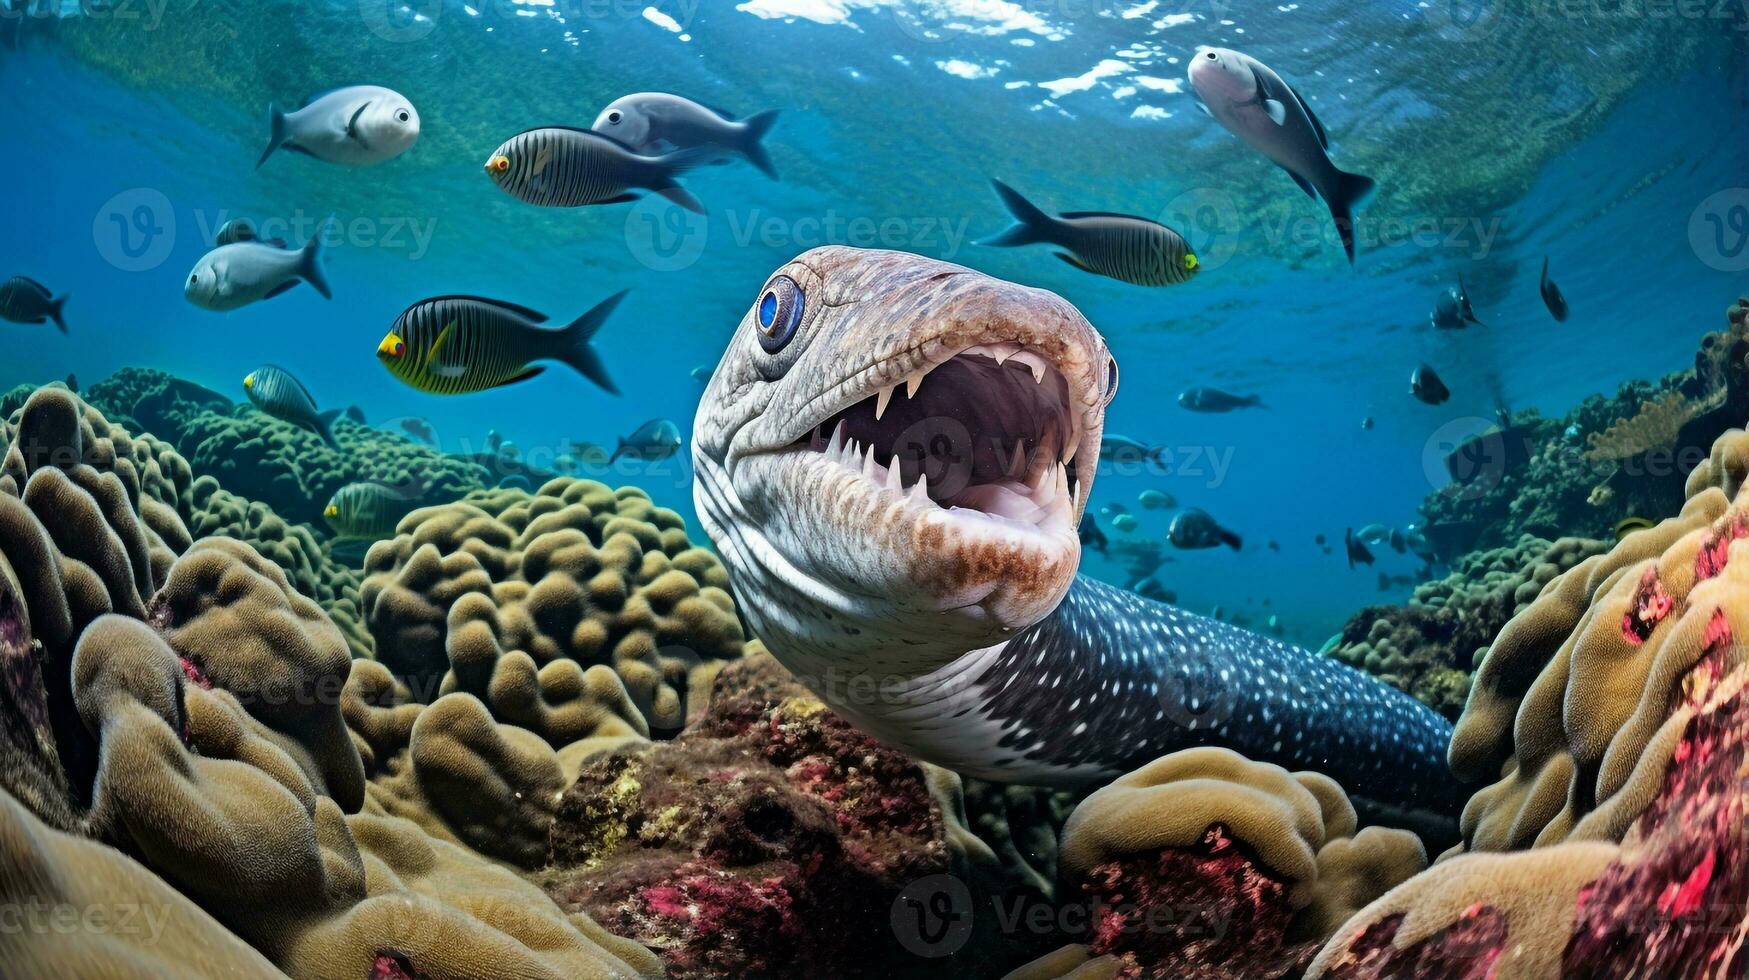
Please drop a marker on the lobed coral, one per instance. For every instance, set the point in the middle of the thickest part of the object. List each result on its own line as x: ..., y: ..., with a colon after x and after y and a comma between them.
x: 554, y: 607
x: 1205, y: 864
x: 1429, y: 646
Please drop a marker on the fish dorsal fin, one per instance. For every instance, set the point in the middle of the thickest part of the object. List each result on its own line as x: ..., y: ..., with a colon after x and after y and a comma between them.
x: 724, y: 113
x: 531, y: 315
x: 319, y: 96
x: 584, y: 132
x: 32, y: 283
x: 1103, y: 214
x: 282, y: 372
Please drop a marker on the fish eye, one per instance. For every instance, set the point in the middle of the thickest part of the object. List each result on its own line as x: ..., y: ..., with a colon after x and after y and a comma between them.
x: 779, y: 313
x: 402, y: 115
x: 1212, y: 56
x: 613, y: 117
x: 1190, y: 262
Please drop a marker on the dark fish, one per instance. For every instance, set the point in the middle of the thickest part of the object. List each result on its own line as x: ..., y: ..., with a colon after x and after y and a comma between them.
x: 1425, y: 385
x: 650, y: 122
x: 419, y: 429
x: 276, y: 392
x: 1629, y: 525
x: 24, y: 300
x: 1357, y: 552
x: 1552, y: 297
x: 1152, y: 589
x: 558, y: 167
x: 1123, y: 449
x: 1452, y: 311
x: 1118, y: 246
x: 1194, y: 528
x: 1092, y: 536
x: 1373, y: 534
x: 1398, y: 541
x: 241, y: 230
x: 1319, y: 539
x: 369, y: 511
x: 1274, y: 546
x: 493, y: 440
x: 72, y: 382
x: 1216, y: 400
x: 655, y: 440
x: 451, y: 345
x: 1366, y: 423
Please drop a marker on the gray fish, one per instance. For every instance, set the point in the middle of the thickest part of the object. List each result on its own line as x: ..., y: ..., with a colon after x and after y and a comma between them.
x: 1247, y: 97
x: 560, y: 167
x: 1156, y: 500
x: 1357, y: 550
x: 1552, y: 297
x: 232, y: 276
x: 1125, y: 522
x: 1118, y: 246
x: 451, y: 345
x: 652, y: 122
x: 1452, y: 310
x: 24, y: 300
x: 368, y: 511
x: 1216, y: 400
x: 1374, y: 534
x: 419, y: 429
x: 1123, y: 449
x: 242, y: 230
x: 1194, y: 528
x: 655, y: 440
x: 276, y: 392
x: 1425, y: 385
x: 358, y: 126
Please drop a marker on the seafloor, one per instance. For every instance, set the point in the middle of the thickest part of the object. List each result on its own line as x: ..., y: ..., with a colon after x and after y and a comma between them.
x: 529, y: 738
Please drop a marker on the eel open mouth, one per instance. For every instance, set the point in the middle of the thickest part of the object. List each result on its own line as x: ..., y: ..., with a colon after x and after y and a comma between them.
x: 988, y: 433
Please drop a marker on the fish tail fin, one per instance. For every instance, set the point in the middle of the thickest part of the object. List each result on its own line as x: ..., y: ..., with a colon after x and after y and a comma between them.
x: 1349, y: 195
x: 325, y: 426
x: 576, y: 347
x: 1031, y: 224
x: 276, y: 129
x: 55, y: 313
x: 1230, y: 539
x: 661, y: 171
x: 679, y: 195
x: 310, y: 269
x: 753, y: 133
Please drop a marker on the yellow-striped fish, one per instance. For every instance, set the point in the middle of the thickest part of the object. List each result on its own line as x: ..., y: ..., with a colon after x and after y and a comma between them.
x: 452, y: 345
x: 1119, y: 246
x: 368, y: 511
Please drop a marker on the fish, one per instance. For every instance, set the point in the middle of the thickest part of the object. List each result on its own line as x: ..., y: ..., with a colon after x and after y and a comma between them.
x: 1398, y: 541
x: 1425, y: 385
x: 1552, y: 297
x: 1366, y: 424
x: 1193, y: 528
x: 1374, y: 534
x: 1092, y: 537
x: 1123, y: 449
x: 1452, y: 310
x: 591, y: 453
x: 451, y: 345
x: 1216, y: 400
x: 368, y: 511
x: 1250, y: 99
x: 242, y: 230
x: 1274, y: 545
x: 650, y: 122
x: 24, y: 300
x: 655, y: 440
x: 1113, y: 509
x: 1156, y: 500
x: 560, y: 167
x: 72, y: 382
x: 1152, y: 589
x: 1117, y: 246
x: 419, y: 429
x: 1125, y: 523
x: 1357, y: 550
x: 231, y: 277
x: 276, y: 392
x: 1629, y: 525
x: 355, y: 126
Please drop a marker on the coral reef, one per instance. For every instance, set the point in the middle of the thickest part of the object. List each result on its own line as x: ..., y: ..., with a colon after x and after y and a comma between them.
x: 1607, y: 459
x: 1611, y: 714
x: 1206, y: 864
x: 518, y: 598
x: 1429, y: 646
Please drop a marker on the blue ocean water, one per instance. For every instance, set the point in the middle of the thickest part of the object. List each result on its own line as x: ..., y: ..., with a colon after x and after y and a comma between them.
x: 1616, y: 144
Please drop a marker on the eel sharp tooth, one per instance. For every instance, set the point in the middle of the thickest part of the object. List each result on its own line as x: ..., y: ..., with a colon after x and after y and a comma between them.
x: 868, y: 463
x: 894, y: 481
x: 837, y: 441
x: 1034, y: 362
x: 920, y: 489
x: 1061, y: 488
x: 881, y: 400
x: 1002, y: 352
x: 914, y: 381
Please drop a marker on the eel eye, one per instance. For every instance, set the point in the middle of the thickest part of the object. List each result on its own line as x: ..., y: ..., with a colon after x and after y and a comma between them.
x: 779, y: 313
x: 1110, y: 379
x: 613, y: 117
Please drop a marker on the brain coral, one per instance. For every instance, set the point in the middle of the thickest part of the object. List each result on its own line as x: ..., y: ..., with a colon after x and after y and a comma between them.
x: 517, y: 597
x: 1429, y: 646
x: 1203, y: 863
x: 1610, y: 710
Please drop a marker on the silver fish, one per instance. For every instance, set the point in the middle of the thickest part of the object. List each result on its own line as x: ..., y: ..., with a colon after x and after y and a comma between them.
x: 233, y: 276
x: 1119, y: 246
x: 358, y: 126
x: 1246, y: 96
x: 653, y: 122
x: 558, y: 167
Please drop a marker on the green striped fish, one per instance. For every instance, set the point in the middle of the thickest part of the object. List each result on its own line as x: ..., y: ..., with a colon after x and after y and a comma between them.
x: 559, y: 167
x: 275, y: 391
x: 452, y: 345
x: 1119, y: 246
x: 368, y: 510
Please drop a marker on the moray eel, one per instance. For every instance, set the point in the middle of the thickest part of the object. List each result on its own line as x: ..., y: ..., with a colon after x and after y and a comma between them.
x: 892, y: 458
